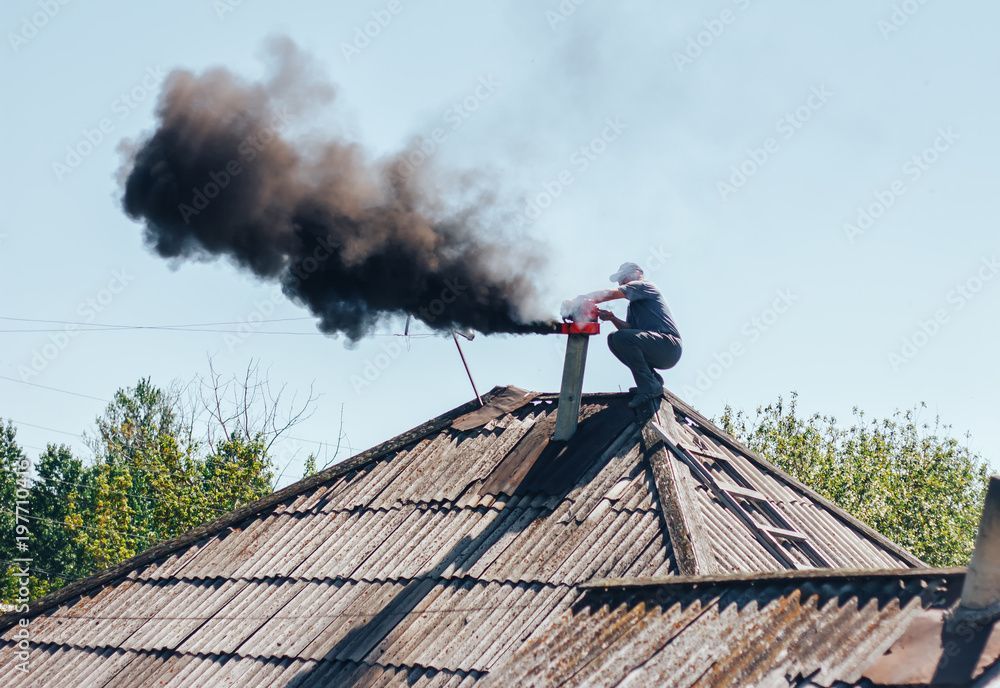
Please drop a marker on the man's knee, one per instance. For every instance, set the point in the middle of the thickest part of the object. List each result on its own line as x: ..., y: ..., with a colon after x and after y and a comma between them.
x: 616, y: 340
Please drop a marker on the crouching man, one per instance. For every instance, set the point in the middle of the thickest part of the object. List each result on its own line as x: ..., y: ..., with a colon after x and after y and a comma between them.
x: 648, y: 339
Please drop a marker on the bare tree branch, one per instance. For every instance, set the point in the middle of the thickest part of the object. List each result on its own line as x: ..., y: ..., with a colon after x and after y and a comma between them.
x: 247, y: 405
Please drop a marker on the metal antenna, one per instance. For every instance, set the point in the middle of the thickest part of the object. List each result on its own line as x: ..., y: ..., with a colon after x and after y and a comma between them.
x: 465, y: 363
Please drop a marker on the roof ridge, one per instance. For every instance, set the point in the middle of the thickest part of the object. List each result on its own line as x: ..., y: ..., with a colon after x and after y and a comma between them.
x: 189, y: 537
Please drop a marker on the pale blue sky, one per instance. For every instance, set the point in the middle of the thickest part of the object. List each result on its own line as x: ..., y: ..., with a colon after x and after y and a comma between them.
x: 823, y: 106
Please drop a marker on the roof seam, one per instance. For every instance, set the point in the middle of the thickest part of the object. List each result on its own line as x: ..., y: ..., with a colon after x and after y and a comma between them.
x: 513, y: 501
x: 278, y: 580
x: 274, y: 659
x: 788, y: 576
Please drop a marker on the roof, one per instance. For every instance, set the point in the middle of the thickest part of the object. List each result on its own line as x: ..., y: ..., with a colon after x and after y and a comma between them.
x: 822, y: 628
x: 431, y: 558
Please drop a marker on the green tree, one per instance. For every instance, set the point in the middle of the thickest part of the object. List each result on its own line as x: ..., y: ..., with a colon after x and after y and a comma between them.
x: 11, y: 457
x: 145, y: 477
x: 310, y: 467
x: 60, y: 479
x: 150, y: 478
x: 236, y: 473
x: 909, y: 480
x: 105, y: 528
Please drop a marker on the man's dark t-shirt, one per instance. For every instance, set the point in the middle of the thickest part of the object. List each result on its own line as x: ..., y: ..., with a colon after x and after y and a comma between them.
x: 647, y: 310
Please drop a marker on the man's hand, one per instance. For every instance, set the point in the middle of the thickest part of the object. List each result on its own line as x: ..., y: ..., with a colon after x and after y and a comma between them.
x: 608, y: 315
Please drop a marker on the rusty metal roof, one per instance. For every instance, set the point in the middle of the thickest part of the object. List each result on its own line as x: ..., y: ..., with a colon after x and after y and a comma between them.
x: 822, y: 628
x: 427, y: 560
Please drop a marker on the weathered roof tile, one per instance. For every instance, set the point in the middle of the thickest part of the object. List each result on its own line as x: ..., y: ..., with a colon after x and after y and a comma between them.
x: 434, y: 558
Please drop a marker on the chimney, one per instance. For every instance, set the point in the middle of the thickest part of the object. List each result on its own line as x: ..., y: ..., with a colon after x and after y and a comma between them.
x: 981, y: 591
x: 568, y: 413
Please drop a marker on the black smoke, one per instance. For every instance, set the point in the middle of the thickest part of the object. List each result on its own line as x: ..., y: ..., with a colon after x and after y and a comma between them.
x: 355, y: 240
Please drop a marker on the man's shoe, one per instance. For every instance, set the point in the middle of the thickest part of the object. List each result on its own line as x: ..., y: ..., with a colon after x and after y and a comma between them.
x: 640, y: 400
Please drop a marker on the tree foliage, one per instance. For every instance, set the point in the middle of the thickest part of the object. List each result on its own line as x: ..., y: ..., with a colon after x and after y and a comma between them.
x: 909, y: 480
x: 10, y: 459
x: 151, y: 477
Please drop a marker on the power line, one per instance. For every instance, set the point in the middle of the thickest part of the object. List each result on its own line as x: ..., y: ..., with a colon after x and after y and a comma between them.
x: 32, y: 569
x: 53, y: 389
x: 83, y: 437
x: 151, y: 537
x: 209, y: 327
x: 108, y: 401
x: 44, y: 427
x: 140, y: 328
x: 41, y: 481
x: 96, y: 324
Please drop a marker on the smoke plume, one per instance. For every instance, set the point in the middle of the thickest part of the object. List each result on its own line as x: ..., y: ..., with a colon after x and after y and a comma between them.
x: 355, y: 240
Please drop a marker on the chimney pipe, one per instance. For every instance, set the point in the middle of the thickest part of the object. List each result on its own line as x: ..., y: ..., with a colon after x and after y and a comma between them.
x: 981, y: 590
x: 568, y: 413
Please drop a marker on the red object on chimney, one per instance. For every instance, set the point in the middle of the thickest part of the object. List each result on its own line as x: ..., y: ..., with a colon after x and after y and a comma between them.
x: 581, y: 328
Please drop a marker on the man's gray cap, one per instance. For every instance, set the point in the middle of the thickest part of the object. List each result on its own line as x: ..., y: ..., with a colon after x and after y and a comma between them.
x: 625, y: 269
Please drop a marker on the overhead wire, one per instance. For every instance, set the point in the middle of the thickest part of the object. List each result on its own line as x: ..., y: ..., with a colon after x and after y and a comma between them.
x: 209, y: 327
x: 108, y: 401
x: 422, y: 335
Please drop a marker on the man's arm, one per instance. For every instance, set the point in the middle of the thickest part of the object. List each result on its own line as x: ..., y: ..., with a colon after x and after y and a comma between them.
x: 608, y: 295
x: 571, y: 306
x: 605, y: 295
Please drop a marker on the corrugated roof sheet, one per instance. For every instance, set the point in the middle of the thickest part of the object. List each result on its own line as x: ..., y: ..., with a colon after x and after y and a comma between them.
x: 822, y: 630
x: 429, y: 559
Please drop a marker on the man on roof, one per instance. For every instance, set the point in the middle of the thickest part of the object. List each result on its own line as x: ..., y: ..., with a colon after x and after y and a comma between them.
x: 647, y: 339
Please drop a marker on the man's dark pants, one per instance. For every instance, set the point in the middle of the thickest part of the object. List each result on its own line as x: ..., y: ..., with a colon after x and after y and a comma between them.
x: 643, y: 352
